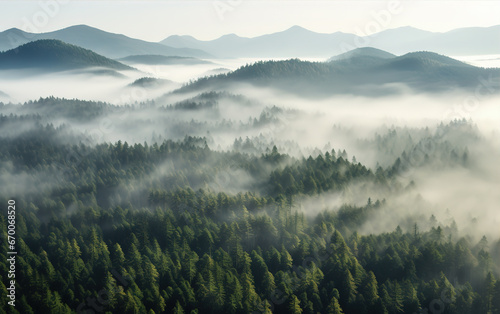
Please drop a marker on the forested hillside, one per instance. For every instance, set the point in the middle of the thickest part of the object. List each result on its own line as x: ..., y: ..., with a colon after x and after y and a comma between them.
x: 353, y: 73
x: 154, y: 227
x: 53, y: 55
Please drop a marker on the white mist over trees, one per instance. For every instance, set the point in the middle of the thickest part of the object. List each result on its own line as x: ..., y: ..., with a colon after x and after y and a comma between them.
x: 363, y: 184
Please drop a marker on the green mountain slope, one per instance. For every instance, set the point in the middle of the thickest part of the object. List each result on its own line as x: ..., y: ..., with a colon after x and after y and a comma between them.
x: 55, y: 55
x: 358, y: 74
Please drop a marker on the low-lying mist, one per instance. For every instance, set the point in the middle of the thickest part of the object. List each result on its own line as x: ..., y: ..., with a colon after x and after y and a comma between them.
x: 440, y: 150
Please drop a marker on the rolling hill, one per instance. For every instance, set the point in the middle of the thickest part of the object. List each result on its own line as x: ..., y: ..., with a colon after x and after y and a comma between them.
x: 360, y: 58
x: 55, y: 55
x: 424, y: 59
x: 361, y: 73
x: 111, y: 45
x: 149, y: 82
x: 363, y: 52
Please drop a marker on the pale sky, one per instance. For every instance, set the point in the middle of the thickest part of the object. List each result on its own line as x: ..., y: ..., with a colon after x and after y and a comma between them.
x: 209, y: 19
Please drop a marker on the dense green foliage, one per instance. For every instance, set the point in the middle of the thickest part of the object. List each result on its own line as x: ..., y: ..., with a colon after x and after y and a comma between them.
x: 149, y: 228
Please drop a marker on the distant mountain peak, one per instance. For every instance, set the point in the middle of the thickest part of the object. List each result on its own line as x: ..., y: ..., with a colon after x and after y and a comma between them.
x: 13, y: 30
x: 297, y: 29
x: 85, y: 30
x: 363, y: 52
x: 231, y: 36
x: 406, y: 30
x: 407, y: 27
x: 82, y: 27
x: 181, y: 36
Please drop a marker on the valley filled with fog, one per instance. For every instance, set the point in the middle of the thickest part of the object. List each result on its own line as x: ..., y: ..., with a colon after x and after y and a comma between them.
x: 375, y: 131
x: 21, y: 87
x: 247, y: 157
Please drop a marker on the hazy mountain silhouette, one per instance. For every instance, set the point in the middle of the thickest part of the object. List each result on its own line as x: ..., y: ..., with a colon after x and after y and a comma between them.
x: 462, y: 41
x: 105, y: 43
x: 299, y: 42
x: 293, y: 42
x: 363, y: 52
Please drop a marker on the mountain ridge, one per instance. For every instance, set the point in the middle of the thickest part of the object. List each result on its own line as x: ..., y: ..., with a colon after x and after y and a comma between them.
x: 297, y: 41
x: 110, y: 45
x: 421, y: 71
x: 55, y: 55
